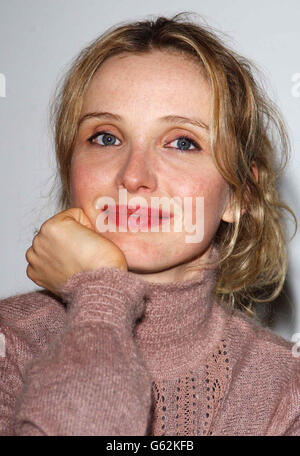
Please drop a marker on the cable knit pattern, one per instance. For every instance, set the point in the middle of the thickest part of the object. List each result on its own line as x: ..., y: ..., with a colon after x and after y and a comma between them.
x: 117, y: 355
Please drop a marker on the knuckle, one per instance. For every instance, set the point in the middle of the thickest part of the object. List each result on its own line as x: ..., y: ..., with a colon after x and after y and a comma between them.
x: 32, y: 276
x: 44, y: 227
x: 35, y: 242
x: 29, y: 271
x: 28, y: 254
x: 49, y: 227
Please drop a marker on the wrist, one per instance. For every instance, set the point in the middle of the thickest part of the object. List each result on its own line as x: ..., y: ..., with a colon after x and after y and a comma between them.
x: 120, y: 293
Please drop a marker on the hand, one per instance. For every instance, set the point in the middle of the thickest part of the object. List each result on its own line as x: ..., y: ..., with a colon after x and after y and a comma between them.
x: 67, y: 244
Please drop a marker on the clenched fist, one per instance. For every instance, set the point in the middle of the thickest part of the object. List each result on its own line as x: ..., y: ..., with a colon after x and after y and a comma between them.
x: 67, y: 244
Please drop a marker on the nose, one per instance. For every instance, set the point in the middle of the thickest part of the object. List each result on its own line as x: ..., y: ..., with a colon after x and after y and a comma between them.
x: 137, y: 174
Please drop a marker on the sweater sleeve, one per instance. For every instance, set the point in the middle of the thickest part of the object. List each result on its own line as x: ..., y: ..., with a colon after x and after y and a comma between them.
x: 13, y: 352
x: 286, y: 419
x: 293, y: 406
x: 91, y: 379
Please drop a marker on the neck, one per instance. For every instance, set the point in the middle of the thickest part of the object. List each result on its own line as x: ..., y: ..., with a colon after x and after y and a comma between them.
x: 180, y: 322
x: 181, y: 272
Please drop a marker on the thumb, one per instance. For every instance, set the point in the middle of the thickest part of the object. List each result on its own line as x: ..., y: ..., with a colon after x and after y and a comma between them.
x: 77, y: 214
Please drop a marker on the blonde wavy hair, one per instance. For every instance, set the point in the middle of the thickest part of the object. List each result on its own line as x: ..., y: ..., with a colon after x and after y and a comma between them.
x: 246, y: 128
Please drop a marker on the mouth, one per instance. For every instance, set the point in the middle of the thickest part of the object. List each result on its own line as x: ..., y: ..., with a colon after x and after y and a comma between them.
x: 150, y: 212
x: 138, y: 217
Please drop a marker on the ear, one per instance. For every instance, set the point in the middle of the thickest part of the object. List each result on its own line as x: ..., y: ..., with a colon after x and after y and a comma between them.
x: 228, y: 215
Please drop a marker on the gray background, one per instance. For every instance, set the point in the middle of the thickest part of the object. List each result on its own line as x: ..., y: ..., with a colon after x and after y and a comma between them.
x: 38, y: 39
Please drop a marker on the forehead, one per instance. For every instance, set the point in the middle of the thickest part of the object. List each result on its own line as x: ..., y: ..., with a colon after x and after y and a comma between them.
x: 158, y: 79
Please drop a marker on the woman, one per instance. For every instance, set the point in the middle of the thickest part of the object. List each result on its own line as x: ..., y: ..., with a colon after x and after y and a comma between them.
x: 151, y: 332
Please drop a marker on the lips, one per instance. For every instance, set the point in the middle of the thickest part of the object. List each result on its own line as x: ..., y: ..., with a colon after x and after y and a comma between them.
x: 144, y: 211
x: 146, y: 216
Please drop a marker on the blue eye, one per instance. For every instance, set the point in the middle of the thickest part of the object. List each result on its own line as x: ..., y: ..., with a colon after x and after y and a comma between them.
x: 186, y: 141
x: 109, y: 140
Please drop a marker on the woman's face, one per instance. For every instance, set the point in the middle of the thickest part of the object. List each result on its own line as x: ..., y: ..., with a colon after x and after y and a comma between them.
x: 146, y: 156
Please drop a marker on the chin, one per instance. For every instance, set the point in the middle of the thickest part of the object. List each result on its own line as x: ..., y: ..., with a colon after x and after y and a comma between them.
x: 138, y: 262
x: 145, y: 255
x: 145, y: 268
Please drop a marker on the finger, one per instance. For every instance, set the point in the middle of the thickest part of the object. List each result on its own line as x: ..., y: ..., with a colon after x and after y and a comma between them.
x: 36, y: 242
x: 30, y: 254
x: 32, y: 275
x: 30, y: 272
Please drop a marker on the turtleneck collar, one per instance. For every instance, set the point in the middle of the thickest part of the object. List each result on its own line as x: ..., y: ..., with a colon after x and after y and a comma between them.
x: 178, y: 324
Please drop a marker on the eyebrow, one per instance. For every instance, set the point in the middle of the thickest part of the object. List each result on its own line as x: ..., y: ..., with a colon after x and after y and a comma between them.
x: 169, y: 119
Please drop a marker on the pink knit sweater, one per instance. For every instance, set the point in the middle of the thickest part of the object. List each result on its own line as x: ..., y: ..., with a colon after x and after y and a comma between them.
x: 121, y: 356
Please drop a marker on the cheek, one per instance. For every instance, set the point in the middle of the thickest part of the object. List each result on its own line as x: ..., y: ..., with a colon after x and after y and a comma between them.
x: 85, y: 181
x: 215, y: 198
x: 187, y: 186
x: 212, y: 187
